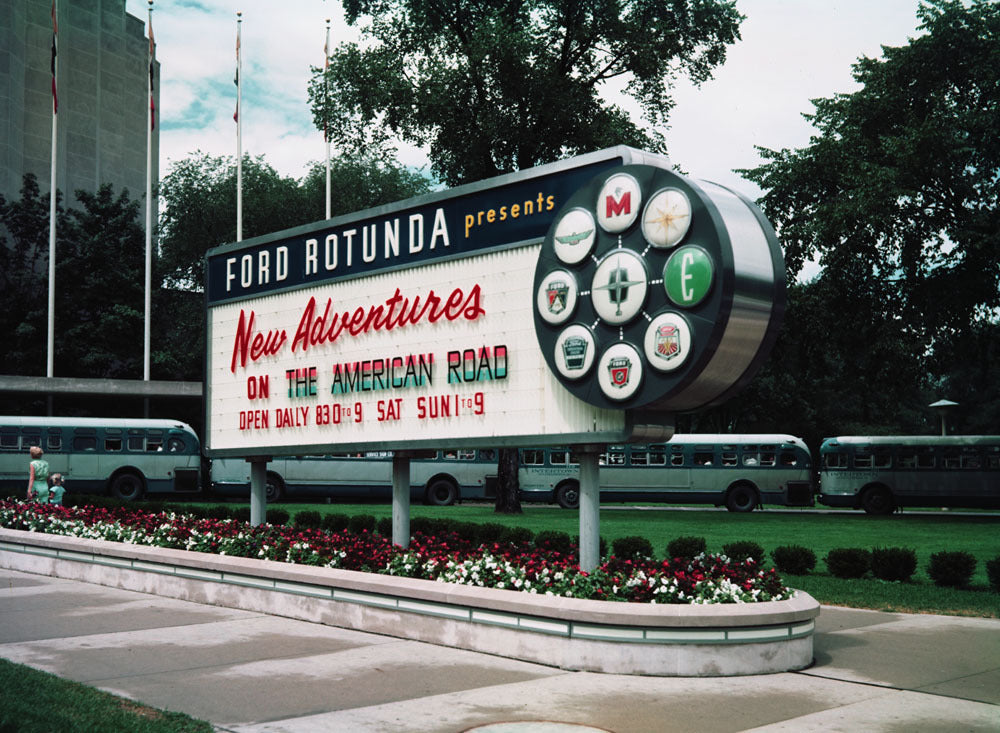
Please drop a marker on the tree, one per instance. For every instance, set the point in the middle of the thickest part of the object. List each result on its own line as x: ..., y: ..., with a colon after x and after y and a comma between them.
x: 494, y: 86
x: 902, y: 174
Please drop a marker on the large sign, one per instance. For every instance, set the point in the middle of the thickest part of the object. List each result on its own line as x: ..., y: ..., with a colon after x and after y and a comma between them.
x: 522, y: 310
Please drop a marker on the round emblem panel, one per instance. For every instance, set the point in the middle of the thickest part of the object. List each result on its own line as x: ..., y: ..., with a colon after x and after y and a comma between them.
x: 575, y: 351
x: 666, y: 218
x: 556, y: 297
x: 620, y: 371
x: 688, y: 276
x: 574, y: 235
x: 618, y: 203
x: 668, y: 342
x: 619, y: 287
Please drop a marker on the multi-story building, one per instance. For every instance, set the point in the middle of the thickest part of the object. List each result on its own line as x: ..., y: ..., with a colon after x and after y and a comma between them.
x: 103, y: 66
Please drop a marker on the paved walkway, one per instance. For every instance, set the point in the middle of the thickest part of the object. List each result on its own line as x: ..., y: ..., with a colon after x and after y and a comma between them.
x: 251, y: 673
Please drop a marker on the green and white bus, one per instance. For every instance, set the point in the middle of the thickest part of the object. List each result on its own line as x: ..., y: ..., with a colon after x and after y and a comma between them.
x: 882, y: 474
x: 442, y: 478
x: 740, y: 472
x: 125, y: 458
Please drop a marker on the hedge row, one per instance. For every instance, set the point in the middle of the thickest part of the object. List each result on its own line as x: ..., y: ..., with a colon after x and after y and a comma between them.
x: 951, y: 569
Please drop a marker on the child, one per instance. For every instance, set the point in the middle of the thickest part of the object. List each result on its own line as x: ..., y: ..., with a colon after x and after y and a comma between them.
x: 57, y: 490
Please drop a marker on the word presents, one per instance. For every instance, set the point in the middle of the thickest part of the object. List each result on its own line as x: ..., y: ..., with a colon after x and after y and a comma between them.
x: 315, y: 329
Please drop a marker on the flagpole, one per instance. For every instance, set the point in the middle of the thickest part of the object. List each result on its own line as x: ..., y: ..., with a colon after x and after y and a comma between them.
x: 51, y: 340
x: 151, y: 120
x: 326, y: 111
x: 239, y: 130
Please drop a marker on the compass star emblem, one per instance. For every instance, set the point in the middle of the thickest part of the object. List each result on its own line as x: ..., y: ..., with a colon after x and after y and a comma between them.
x: 667, y: 218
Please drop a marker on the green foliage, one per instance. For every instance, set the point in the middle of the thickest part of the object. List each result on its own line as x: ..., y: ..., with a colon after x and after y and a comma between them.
x: 686, y: 547
x: 490, y: 532
x: 894, y: 563
x: 848, y: 562
x: 742, y: 549
x: 517, y: 535
x: 307, y: 519
x: 362, y: 523
x: 631, y: 547
x: 952, y: 569
x: 335, y: 522
x: 497, y: 87
x: 384, y: 527
x: 555, y: 540
x: 242, y: 514
x: 219, y: 511
x: 993, y: 573
x: 276, y: 516
x: 793, y: 559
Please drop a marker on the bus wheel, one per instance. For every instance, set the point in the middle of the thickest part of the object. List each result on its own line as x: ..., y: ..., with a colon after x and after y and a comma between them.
x: 442, y: 492
x: 568, y: 495
x: 274, y: 487
x: 741, y: 498
x: 127, y: 487
x: 877, y: 500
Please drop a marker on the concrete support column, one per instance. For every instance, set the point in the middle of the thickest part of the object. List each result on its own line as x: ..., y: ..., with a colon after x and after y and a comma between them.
x: 590, y: 501
x: 401, y: 499
x: 258, y: 490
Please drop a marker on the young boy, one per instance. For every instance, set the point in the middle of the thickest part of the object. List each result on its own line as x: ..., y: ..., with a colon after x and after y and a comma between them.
x: 56, y: 491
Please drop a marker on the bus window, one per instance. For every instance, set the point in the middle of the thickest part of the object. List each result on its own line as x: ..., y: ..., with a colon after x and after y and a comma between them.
x: 154, y: 441
x: 882, y: 459
x: 534, y: 457
x: 10, y: 441
x: 54, y: 441
x: 657, y: 457
x: 835, y: 460
x: 85, y: 443
x: 950, y: 460
x: 972, y: 462
x: 487, y: 454
x: 113, y: 440
x: 175, y: 444
x: 703, y: 459
x: 788, y: 459
x: 639, y: 458
x: 862, y: 459
x: 466, y: 455
x: 558, y: 457
x: 993, y: 462
x: 907, y: 460
x: 925, y: 460
x: 730, y: 459
x: 136, y: 443
x: 677, y: 459
x: 616, y: 458
x: 750, y: 459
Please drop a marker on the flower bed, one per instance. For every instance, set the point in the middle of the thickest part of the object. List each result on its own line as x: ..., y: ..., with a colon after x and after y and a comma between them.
x: 447, y: 558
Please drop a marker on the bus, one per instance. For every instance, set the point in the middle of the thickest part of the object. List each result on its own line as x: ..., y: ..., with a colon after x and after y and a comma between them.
x: 122, y: 457
x: 882, y: 474
x: 740, y: 472
x: 442, y: 478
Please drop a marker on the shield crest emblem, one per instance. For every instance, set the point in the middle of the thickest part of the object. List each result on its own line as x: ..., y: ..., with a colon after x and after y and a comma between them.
x: 557, y: 292
x: 619, y: 369
x: 668, y: 342
x: 575, y: 352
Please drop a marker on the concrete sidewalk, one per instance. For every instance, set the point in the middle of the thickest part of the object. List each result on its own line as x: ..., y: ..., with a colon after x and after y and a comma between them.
x: 250, y: 672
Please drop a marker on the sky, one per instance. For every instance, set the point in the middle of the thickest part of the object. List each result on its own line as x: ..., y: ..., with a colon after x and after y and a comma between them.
x: 792, y: 51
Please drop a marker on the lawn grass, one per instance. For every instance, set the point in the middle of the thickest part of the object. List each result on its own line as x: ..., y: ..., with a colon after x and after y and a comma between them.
x: 819, y: 531
x: 32, y: 701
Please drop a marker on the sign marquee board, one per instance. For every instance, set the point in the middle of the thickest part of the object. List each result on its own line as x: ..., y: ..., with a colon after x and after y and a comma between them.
x: 436, y: 321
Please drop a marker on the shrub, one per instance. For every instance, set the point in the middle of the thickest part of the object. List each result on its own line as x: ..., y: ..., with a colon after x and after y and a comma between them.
x: 277, y: 517
x: 307, y: 519
x: 197, y: 511
x: 335, y: 522
x: 743, y: 549
x: 848, y: 562
x: 517, y: 536
x: 794, y: 559
x: 489, y: 532
x: 993, y: 573
x: 555, y: 541
x: 632, y: 548
x: 418, y: 524
x: 951, y: 569
x: 362, y: 522
x: 894, y: 563
x: 686, y: 547
x: 218, y: 511
x: 242, y: 514
x: 384, y: 527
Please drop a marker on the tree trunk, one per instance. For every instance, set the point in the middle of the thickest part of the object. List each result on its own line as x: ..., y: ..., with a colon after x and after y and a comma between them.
x: 507, y: 484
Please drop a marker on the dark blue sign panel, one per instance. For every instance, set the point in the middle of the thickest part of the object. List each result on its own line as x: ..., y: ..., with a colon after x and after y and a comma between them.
x: 468, y: 220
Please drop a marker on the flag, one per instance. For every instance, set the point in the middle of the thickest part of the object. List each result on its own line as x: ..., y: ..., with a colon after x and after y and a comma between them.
x: 236, y: 79
x: 152, y: 59
x: 55, y: 97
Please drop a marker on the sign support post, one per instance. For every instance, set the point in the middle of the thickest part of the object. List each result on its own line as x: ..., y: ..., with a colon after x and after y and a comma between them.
x: 258, y: 490
x: 590, y: 519
x: 401, y: 499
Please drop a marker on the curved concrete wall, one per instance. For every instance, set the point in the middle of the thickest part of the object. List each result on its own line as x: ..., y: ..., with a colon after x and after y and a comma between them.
x: 571, y: 633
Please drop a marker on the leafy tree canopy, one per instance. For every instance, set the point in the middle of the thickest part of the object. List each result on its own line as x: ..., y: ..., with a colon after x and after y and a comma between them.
x: 903, y: 174
x: 493, y: 86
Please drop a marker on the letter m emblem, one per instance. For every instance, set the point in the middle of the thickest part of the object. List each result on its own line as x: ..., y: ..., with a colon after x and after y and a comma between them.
x: 620, y: 206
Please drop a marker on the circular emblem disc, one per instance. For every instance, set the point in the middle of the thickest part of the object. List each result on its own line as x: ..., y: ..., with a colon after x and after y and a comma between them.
x: 556, y: 297
x: 575, y: 349
x: 619, y: 372
x: 574, y: 236
x: 619, y: 287
x: 688, y: 275
x: 668, y: 342
x: 618, y: 203
x: 666, y: 218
